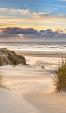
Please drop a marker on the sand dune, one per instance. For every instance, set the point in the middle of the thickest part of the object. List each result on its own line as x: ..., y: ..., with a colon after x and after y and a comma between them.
x: 29, y: 88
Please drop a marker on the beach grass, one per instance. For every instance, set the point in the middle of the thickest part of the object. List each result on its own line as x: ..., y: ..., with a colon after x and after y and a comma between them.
x: 1, y: 82
x: 2, y: 85
x: 60, y: 78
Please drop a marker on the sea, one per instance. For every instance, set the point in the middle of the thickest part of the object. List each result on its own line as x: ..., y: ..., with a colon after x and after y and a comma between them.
x: 35, y: 46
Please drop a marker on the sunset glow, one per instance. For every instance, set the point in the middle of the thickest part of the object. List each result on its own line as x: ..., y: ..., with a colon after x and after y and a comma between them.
x: 39, y: 15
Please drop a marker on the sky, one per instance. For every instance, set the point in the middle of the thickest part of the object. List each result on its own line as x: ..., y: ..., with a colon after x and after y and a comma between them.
x: 37, y: 14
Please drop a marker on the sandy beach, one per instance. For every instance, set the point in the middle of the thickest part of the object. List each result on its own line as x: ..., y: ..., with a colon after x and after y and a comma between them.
x: 32, y: 56
x: 30, y: 89
x: 48, y: 103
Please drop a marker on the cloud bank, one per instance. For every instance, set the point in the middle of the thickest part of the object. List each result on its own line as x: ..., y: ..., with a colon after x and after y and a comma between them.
x: 27, y: 13
x: 30, y: 31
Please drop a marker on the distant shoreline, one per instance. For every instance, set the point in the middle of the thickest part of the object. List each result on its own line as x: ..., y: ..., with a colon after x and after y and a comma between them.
x: 42, y: 54
x: 35, y: 42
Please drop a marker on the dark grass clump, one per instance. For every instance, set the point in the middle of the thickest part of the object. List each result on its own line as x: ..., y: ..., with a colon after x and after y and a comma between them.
x: 2, y: 84
x: 8, y: 57
x: 60, y: 78
x: 1, y: 81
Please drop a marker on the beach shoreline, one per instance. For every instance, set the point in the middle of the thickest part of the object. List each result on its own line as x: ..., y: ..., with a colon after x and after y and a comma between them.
x: 42, y: 54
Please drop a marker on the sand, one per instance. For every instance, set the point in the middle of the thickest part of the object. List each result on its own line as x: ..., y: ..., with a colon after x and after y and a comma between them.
x: 48, y: 103
x: 30, y: 89
x: 56, y: 54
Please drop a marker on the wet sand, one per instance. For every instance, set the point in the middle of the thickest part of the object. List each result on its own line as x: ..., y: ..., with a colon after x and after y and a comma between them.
x: 42, y: 53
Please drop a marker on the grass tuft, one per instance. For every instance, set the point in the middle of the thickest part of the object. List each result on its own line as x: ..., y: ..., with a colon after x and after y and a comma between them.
x: 1, y: 82
x: 60, y: 78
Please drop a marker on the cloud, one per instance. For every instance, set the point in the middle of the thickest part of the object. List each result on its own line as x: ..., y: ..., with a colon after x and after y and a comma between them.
x: 21, y: 12
x: 11, y: 12
x: 8, y: 11
x: 31, y: 33
x: 27, y: 12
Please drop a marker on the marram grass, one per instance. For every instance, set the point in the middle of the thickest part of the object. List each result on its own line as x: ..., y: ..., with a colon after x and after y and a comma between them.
x: 60, y: 78
x: 2, y: 85
x: 1, y: 82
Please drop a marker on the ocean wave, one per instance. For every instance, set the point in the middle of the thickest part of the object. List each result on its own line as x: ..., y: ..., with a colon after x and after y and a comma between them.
x: 34, y: 47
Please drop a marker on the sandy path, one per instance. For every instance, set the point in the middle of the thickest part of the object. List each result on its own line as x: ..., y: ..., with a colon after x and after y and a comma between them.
x: 14, y: 103
x: 19, y: 84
